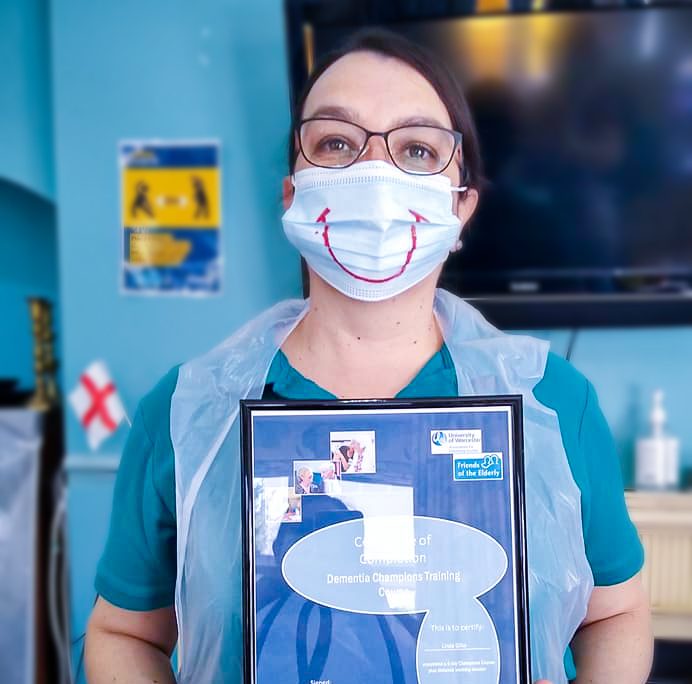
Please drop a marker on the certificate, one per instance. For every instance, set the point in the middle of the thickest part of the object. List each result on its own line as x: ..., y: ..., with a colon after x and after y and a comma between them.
x: 384, y: 542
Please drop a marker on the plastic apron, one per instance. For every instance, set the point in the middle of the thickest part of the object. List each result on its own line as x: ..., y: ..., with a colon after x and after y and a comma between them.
x: 206, y: 441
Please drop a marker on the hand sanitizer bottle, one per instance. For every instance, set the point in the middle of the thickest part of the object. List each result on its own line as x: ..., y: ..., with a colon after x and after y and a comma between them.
x: 657, y: 463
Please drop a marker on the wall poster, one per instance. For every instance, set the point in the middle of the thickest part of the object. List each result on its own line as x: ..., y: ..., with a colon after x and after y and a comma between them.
x: 171, y: 217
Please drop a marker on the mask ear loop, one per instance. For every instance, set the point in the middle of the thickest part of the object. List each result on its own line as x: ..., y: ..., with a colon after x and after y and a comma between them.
x: 461, y: 188
x: 464, y: 179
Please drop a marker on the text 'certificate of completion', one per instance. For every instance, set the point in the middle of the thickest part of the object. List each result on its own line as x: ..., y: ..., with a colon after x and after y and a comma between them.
x: 384, y: 542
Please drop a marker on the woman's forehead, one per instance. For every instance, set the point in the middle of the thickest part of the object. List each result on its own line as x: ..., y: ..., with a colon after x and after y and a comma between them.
x: 376, y: 91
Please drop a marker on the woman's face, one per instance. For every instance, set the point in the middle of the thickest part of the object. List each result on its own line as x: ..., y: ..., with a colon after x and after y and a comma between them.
x: 380, y: 93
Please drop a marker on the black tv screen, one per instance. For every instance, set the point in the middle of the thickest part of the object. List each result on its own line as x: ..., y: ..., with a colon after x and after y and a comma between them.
x: 585, y: 123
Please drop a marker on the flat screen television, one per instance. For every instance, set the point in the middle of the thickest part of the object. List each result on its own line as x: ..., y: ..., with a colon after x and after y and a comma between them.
x: 585, y: 121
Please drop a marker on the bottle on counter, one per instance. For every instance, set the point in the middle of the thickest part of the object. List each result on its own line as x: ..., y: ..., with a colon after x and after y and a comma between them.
x: 657, y: 461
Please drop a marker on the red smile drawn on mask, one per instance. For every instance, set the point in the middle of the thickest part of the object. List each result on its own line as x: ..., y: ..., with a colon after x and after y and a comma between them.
x: 322, y: 218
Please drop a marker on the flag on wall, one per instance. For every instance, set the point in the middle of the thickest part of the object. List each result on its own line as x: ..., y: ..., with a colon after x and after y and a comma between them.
x: 97, y: 404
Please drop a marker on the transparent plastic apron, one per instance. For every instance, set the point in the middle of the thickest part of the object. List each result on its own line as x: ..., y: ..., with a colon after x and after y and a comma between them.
x: 206, y: 440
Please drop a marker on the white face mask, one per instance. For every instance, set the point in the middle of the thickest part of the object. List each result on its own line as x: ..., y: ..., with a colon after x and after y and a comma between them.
x: 372, y: 231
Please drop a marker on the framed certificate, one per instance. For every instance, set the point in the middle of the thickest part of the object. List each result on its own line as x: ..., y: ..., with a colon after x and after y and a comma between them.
x: 384, y: 542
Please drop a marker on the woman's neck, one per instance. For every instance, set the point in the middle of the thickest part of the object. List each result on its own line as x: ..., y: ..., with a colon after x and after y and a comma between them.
x: 365, y: 349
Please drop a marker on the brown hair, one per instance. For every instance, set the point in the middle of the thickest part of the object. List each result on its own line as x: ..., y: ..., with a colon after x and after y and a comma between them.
x: 390, y: 44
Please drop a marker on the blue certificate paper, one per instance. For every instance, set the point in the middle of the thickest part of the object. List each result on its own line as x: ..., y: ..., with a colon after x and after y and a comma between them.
x: 384, y: 542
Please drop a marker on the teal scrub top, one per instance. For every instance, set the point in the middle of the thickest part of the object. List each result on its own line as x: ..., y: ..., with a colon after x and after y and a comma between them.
x: 138, y: 567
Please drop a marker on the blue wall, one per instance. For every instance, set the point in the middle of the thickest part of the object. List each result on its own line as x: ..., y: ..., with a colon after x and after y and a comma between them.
x: 626, y: 366
x: 28, y: 268
x: 26, y: 151
x: 178, y: 70
x: 169, y: 70
x: 28, y: 257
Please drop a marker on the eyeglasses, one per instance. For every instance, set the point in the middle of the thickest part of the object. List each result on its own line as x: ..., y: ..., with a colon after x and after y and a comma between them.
x: 335, y: 144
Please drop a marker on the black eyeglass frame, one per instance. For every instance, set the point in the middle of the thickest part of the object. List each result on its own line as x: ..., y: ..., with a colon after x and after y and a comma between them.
x: 458, y: 137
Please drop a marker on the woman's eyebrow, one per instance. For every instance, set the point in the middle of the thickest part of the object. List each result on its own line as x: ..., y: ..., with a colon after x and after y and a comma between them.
x: 333, y: 112
x: 418, y: 121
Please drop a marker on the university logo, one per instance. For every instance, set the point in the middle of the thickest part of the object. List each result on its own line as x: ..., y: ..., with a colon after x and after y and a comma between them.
x: 439, y: 438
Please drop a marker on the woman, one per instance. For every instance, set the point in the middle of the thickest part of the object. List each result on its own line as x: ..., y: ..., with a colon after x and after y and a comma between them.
x: 374, y: 215
x: 343, y: 456
x: 351, y: 454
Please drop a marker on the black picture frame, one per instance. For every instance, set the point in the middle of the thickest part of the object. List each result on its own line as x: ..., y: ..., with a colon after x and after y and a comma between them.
x: 250, y: 408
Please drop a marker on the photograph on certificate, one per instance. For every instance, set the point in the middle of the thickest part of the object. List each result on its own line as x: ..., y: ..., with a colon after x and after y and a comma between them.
x: 314, y: 477
x: 354, y: 451
x: 281, y: 504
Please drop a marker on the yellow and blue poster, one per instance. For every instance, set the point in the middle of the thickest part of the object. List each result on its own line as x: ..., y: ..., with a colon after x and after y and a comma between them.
x: 171, y: 217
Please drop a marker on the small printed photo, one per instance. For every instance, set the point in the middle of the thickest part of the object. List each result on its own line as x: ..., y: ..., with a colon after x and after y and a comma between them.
x: 353, y: 451
x: 294, y: 510
x: 315, y: 477
x: 282, y: 504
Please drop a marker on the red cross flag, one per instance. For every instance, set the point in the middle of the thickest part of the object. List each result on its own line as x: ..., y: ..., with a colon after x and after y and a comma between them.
x: 97, y: 404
